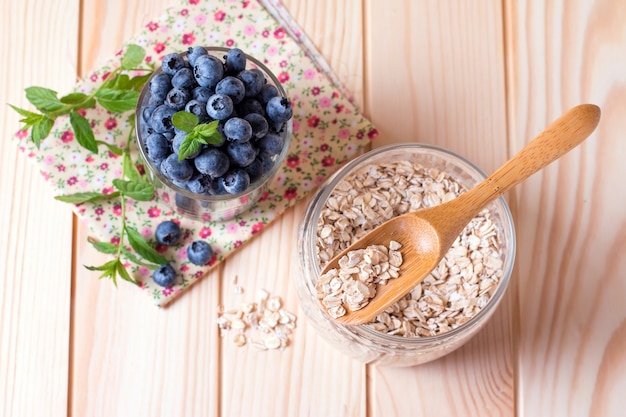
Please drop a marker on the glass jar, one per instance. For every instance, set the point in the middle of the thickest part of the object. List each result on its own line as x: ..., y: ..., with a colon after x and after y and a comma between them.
x: 203, y: 206
x: 363, y: 342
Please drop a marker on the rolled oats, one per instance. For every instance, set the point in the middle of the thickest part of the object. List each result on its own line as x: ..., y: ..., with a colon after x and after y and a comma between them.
x: 454, y: 292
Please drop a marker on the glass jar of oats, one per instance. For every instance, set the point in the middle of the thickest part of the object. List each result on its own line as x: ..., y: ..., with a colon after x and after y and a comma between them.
x: 454, y: 301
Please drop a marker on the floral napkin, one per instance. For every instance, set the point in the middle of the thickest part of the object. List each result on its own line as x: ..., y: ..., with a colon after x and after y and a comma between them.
x: 328, y: 130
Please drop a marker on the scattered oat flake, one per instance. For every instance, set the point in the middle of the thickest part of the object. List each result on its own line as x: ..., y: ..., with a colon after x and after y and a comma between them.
x: 263, y: 324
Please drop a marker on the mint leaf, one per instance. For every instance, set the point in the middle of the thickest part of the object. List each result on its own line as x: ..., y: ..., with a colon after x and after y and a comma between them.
x: 138, y: 261
x: 41, y: 130
x: 209, y: 132
x: 30, y: 118
x: 123, y: 273
x: 78, y: 99
x: 138, y: 190
x: 185, y: 121
x: 116, y: 150
x: 117, y: 101
x: 133, y: 57
x: 188, y: 147
x: 84, y: 197
x: 129, y: 169
x: 103, y: 247
x: 44, y: 99
x: 136, y: 83
x: 139, y: 244
x: 118, y: 82
x: 83, y: 132
x: 108, y: 269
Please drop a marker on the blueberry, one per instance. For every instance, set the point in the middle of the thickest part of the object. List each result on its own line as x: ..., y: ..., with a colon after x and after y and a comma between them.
x: 267, y: 162
x: 255, y: 170
x: 172, y: 63
x: 216, y: 187
x: 232, y: 87
x: 198, y: 108
x: 279, y: 109
x: 177, y: 98
x: 164, y: 276
x: 168, y: 233
x: 219, y: 106
x: 175, y: 170
x: 161, y: 118
x: 160, y: 84
x: 237, y: 129
x: 185, y: 203
x: 236, y: 181
x: 241, y: 153
x: 235, y: 61
x: 178, y: 140
x: 272, y: 144
x: 157, y: 147
x: 212, y: 162
x: 258, y: 123
x: 250, y: 105
x: 184, y: 79
x: 194, y: 52
x: 198, y: 184
x: 146, y: 112
x: 199, y: 252
x: 202, y: 94
x: 267, y: 92
x: 253, y: 80
x: 208, y: 71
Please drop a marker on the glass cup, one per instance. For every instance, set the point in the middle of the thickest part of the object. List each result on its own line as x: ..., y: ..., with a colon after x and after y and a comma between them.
x: 363, y: 342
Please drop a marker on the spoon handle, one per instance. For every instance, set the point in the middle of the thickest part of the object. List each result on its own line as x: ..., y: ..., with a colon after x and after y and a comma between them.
x: 556, y: 140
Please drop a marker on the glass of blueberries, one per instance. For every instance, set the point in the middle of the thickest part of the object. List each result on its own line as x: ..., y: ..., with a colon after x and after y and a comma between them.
x: 224, y: 179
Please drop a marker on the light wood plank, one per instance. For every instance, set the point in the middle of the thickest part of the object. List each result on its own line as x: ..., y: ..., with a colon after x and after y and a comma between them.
x: 36, y: 248
x: 130, y: 358
x: 296, y: 381
x: 435, y: 74
x: 571, y: 218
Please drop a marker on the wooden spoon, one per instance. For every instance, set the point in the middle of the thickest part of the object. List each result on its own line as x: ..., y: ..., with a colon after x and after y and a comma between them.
x: 426, y: 235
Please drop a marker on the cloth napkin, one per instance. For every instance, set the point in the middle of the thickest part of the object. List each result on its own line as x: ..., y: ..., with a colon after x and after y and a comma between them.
x: 328, y: 130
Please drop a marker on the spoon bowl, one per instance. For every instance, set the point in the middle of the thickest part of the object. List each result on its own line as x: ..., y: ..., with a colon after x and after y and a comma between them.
x: 426, y: 235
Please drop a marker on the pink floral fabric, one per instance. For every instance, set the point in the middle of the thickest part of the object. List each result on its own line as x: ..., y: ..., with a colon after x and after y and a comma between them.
x: 328, y: 130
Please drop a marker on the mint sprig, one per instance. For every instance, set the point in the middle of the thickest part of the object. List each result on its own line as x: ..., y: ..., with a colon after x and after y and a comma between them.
x: 197, y: 133
x: 118, y: 94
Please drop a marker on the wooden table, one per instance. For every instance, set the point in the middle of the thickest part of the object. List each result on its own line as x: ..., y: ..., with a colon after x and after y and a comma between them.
x: 480, y: 77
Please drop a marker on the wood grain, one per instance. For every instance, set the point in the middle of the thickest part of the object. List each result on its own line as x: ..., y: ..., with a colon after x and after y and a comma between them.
x: 129, y: 357
x: 272, y: 383
x: 571, y: 221
x: 36, y: 244
x: 425, y: 82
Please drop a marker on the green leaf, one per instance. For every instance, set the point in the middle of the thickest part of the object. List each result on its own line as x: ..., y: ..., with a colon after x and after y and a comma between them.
x: 84, y: 197
x: 117, y: 101
x: 103, y: 247
x: 209, y: 132
x: 185, y: 121
x: 138, y: 190
x: 133, y: 57
x: 115, y: 149
x: 188, y: 147
x: 122, y: 272
x: 129, y: 169
x: 83, y: 132
x: 78, y: 100
x: 41, y: 130
x: 118, y: 82
x: 30, y: 118
x: 139, y: 244
x: 108, y: 269
x: 137, y: 82
x: 44, y: 99
x: 137, y: 261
